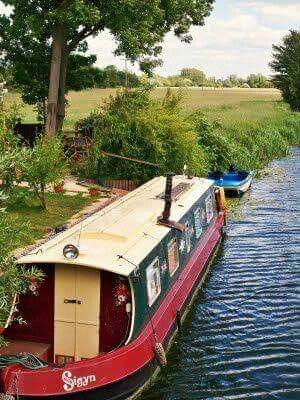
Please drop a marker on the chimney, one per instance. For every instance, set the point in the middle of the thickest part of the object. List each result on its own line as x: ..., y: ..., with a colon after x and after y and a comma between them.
x: 165, y: 218
x: 168, y: 198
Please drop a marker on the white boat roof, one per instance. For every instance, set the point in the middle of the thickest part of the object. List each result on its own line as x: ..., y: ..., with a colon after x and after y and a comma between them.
x: 127, y: 227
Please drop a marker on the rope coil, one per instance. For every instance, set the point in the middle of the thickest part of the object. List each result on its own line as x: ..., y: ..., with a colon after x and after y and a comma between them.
x: 28, y: 361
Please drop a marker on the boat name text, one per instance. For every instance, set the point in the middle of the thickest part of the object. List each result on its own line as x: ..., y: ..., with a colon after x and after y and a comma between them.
x: 71, y: 382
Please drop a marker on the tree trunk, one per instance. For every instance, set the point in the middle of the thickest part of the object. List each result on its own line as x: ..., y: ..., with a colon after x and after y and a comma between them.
x: 59, y: 40
x: 61, y: 103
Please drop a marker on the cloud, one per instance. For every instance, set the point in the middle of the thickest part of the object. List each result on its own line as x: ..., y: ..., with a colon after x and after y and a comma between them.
x: 237, y: 38
x: 277, y: 12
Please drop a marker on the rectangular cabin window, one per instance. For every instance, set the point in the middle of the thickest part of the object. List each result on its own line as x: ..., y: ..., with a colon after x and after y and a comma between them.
x: 153, y: 281
x: 173, y: 256
x: 187, y: 236
x: 198, y: 219
x: 209, y: 208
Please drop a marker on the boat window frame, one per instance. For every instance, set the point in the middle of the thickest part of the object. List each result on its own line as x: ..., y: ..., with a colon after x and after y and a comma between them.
x: 187, y: 234
x: 172, y: 242
x: 209, y: 201
x: 198, y: 222
x: 151, y: 301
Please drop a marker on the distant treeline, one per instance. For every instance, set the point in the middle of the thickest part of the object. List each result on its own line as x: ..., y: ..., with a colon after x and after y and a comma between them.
x: 83, y: 75
x: 196, y: 77
x: 110, y: 77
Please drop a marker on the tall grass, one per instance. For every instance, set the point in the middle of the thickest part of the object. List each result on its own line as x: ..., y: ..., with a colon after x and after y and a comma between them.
x: 249, y: 134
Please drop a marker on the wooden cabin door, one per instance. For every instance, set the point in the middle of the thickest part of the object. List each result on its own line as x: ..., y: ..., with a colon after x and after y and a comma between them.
x: 77, y: 309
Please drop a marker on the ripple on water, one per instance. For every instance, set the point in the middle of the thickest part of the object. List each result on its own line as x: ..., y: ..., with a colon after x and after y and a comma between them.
x: 242, y: 340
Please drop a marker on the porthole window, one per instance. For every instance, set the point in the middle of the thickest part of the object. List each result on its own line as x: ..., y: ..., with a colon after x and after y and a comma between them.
x: 173, y: 256
x: 153, y: 281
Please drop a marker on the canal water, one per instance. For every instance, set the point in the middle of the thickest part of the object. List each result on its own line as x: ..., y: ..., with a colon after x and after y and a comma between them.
x: 242, y: 339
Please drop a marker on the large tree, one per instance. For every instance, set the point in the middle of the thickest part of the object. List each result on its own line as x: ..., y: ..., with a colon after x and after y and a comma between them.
x: 138, y: 27
x: 26, y: 63
x: 197, y: 76
x: 286, y: 65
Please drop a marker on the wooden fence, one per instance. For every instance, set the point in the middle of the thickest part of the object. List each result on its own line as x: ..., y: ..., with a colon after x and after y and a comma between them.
x: 122, y: 184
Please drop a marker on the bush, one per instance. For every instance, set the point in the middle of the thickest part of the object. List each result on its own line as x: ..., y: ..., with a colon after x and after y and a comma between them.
x: 14, y: 279
x: 134, y: 125
x: 43, y: 165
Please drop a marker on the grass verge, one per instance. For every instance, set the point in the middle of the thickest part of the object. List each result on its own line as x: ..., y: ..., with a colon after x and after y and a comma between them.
x: 34, y: 222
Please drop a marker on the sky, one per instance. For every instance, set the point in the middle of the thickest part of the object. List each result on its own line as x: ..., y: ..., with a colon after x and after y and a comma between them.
x: 236, y: 39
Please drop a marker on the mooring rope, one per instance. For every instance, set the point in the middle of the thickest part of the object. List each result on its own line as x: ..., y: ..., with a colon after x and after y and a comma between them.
x: 28, y: 361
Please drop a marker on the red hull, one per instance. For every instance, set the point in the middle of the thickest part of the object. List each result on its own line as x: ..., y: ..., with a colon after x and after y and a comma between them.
x: 111, y: 368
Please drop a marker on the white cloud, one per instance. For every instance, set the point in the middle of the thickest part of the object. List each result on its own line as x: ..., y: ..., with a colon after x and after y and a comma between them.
x: 237, y: 38
x: 279, y: 13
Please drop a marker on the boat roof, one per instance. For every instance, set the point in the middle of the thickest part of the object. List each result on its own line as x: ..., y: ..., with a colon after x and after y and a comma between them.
x: 127, y: 227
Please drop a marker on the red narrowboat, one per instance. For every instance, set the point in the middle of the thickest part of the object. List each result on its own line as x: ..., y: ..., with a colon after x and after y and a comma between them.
x: 116, y: 287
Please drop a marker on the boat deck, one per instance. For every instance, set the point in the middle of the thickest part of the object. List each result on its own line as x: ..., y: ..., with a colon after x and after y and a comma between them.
x: 15, y: 347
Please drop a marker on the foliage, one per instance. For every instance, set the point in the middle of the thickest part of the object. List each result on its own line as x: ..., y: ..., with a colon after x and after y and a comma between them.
x: 9, y: 159
x: 258, y: 81
x: 43, y: 165
x: 286, y: 65
x: 14, y: 279
x: 30, y: 69
x: 134, y: 125
x: 3, y: 199
x: 196, y: 76
x: 250, y: 141
x: 137, y: 26
x: 135, y: 35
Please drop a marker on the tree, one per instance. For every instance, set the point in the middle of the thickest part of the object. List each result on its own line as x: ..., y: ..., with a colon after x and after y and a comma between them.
x: 26, y: 65
x: 286, y: 65
x: 197, y: 76
x: 138, y: 27
x: 258, y: 81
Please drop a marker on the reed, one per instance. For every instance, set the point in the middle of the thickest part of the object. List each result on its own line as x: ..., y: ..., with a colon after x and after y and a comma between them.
x: 249, y: 134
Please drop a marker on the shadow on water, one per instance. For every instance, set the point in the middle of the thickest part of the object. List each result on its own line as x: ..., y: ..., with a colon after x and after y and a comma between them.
x: 241, y: 340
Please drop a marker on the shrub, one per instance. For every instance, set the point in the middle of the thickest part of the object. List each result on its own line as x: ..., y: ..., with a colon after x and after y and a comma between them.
x: 43, y: 165
x: 9, y: 159
x: 14, y: 279
x: 134, y: 125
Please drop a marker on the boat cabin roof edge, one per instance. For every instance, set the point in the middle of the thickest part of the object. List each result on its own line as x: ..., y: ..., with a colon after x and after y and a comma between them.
x: 127, y: 227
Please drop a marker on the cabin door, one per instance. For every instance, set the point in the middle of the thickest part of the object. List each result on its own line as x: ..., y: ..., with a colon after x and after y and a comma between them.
x: 77, y: 309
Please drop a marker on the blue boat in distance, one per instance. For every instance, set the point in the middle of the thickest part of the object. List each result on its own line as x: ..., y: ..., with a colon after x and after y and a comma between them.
x: 234, y: 182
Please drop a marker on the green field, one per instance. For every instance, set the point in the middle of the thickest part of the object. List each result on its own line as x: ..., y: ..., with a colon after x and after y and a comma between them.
x: 82, y: 103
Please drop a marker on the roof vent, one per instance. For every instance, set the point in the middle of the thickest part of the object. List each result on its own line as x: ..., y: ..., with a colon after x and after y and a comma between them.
x: 177, y: 191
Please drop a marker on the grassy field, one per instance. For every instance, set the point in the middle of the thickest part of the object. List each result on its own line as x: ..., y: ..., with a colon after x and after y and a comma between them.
x: 82, y: 103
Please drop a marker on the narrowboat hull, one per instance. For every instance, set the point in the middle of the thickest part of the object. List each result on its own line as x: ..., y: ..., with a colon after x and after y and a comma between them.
x: 123, y: 373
